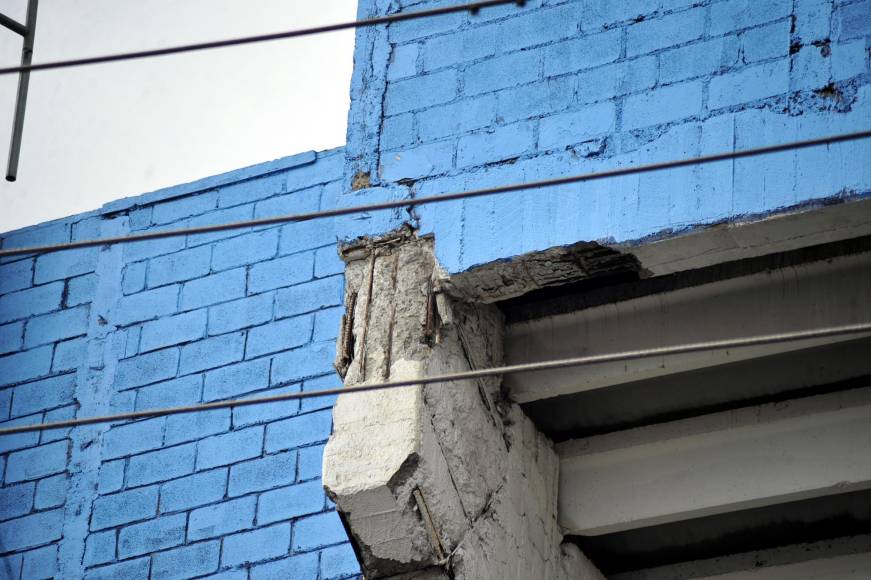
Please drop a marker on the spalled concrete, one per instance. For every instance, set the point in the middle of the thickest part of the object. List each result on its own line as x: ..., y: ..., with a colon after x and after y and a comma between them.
x: 442, y: 481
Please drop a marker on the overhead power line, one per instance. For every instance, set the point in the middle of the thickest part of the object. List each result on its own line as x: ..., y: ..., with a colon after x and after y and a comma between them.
x: 452, y: 377
x: 441, y: 198
x: 473, y: 7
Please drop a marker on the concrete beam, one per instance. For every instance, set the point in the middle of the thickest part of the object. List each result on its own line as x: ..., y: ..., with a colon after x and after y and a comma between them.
x: 442, y: 481
x: 718, y: 463
x: 807, y: 296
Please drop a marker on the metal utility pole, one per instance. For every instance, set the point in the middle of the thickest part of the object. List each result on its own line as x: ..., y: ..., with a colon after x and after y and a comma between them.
x: 27, y: 31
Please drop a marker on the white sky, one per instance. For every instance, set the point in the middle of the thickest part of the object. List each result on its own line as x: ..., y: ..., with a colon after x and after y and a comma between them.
x: 98, y: 133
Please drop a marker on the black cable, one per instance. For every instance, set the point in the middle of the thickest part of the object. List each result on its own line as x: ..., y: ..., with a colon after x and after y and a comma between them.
x: 451, y: 377
x: 473, y: 7
x: 725, y: 156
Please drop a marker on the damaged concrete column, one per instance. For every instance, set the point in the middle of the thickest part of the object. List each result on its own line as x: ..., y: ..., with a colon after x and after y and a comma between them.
x: 439, y: 481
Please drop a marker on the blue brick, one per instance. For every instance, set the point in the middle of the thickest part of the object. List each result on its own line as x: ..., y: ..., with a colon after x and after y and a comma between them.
x: 419, y: 161
x: 420, y: 92
x: 311, y: 460
x: 148, y: 249
x: 809, y: 69
x: 812, y: 19
x: 255, y: 546
x: 134, y: 278
x: 403, y: 61
x: 247, y: 249
x: 61, y: 265
x: 16, y: 276
x: 69, y: 354
x: 502, y: 72
x: 50, y: 233
x: 319, y: 384
x: 177, y: 392
x: 849, y: 60
x: 655, y: 34
x: 663, y: 105
x: 256, y: 414
x: 224, y: 216
x: 239, y: 574
x: 309, y: 361
x: 37, y: 462
x: 281, y: 272
x: 157, y: 534
x: 260, y: 474
x: 586, y: 52
x: 397, y: 131
x: 181, y: 428
x: 193, y: 491
x: 308, y: 235
x: 62, y: 414
x: 133, y: 438
x: 50, y: 492
x: 750, y: 84
x: 540, y: 27
x: 230, y: 448
x: 455, y: 118
x: 41, y: 563
x: 290, y: 502
x: 181, y: 208
x: 99, y: 548
x: 81, y: 290
x: 495, y: 145
x: 462, y: 46
x: 224, y: 518
x: 617, y: 79
x: 11, y: 565
x: 213, y: 289
x: 187, y: 562
x: 299, y: 431
x: 304, y: 201
x: 212, y: 352
x: 740, y: 14
x: 173, y: 330
x: 302, y: 567
x: 766, y: 42
x: 278, y: 336
x: 318, y: 531
x: 147, y: 368
x: 5, y: 405
x: 413, y: 29
x: 25, y: 365
x: 327, y: 323
x: 32, y: 530
x: 853, y: 21
x: 576, y: 126
x: 309, y: 297
x: 132, y: 570
x: 535, y: 100
x: 26, y: 303
x: 700, y: 58
x: 252, y: 190
x: 42, y: 395
x: 240, y: 314
x: 111, y: 476
x: 233, y: 380
x: 184, y: 265
x: 339, y: 562
x: 146, y: 305
x: 57, y: 326
x: 16, y: 500
x: 328, y: 262
x: 11, y: 337
x: 161, y: 465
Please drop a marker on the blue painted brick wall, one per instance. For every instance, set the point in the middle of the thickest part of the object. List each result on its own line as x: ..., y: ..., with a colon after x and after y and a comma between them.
x: 460, y: 101
x: 569, y: 86
x: 164, y: 323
